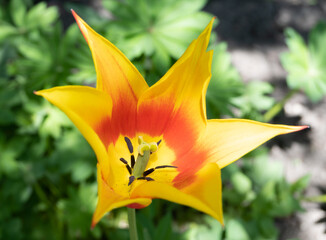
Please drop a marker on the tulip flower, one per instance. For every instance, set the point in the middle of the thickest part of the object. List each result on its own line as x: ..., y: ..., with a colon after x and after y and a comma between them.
x: 156, y: 142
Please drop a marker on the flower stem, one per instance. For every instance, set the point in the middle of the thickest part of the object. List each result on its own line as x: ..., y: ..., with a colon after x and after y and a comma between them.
x: 132, y: 224
x: 271, y: 113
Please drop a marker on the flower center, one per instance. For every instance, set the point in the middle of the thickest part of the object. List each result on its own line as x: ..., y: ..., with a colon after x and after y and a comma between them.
x: 137, y: 169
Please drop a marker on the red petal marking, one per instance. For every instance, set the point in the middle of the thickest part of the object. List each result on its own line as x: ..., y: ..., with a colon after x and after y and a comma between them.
x: 177, y: 127
x: 153, y: 117
x: 188, y: 165
x: 136, y: 206
x: 179, y: 133
x: 122, y: 121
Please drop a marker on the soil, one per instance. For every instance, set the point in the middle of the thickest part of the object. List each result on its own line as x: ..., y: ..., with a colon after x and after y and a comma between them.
x: 254, y: 30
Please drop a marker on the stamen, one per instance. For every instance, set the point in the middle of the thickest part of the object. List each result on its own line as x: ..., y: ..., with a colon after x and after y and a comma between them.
x: 123, y: 160
x: 145, y: 178
x: 131, y: 180
x: 129, y: 144
x: 165, y: 166
x: 158, y: 143
x: 132, y: 161
x: 127, y: 165
x: 149, y: 171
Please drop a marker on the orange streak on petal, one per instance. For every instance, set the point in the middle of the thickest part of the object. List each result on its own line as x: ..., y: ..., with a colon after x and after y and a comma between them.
x: 154, y: 116
x: 188, y: 165
x: 180, y: 132
x: 122, y: 122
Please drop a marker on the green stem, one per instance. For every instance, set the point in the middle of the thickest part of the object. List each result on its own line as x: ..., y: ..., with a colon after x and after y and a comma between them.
x: 271, y: 113
x: 132, y: 224
x: 316, y: 199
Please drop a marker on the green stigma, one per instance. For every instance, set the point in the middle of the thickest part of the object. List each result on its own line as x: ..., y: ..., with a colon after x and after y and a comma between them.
x: 144, y: 151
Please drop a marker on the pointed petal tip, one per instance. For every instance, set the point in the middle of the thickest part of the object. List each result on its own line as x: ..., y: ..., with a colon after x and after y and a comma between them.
x: 40, y: 92
x: 75, y: 15
x: 300, y: 128
x: 93, y: 224
x: 81, y: 24
x: 73, y: 12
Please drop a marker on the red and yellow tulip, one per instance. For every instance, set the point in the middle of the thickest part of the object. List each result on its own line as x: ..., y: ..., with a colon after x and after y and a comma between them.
x: 178, y: 152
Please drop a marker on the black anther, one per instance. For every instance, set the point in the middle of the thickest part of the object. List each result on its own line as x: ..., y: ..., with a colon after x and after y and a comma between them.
x: 123, y: 160
x: 129, y: 169
x: 158, y: 143
x: 132, y: 161
x: 131, y: 179
x: 165, y: 166
x: 127, y: 165
x: 145, y: 178
x: 148, y: 171
x: 129, y: 144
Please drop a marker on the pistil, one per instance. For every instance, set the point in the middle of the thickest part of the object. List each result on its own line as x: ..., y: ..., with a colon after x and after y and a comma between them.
x: 144, y: 151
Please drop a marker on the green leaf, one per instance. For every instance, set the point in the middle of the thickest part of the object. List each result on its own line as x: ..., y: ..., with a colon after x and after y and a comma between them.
x: 161, y: 58
x: 235, y: 230
x: 18, y: 11
x: 12, y: 230
x: 53, y: 123
x: 264, y: 170
x: 164, y: 229
x: 267, y: 228
x: 301, y: 184
x: 6, y: 31
x: 81, y: 170
x: 255, y: 99
x: 31, y: 51
x: 8, y: 162
x: 41, y: 16
x: 210, y: 228
x: 145, y: 226
x: 225, y: 84
x: 317, y: 199
x: 77, y: 210
x: 241, y: 183
x: 141, y: 24
x: 306, y: 63
x: 173, y: 9
x: 6, y: 117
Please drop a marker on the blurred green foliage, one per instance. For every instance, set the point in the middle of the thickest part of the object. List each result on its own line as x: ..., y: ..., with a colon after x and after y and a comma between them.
x: 161, y: 30
x: 47, y: 170
x: 306, y: 63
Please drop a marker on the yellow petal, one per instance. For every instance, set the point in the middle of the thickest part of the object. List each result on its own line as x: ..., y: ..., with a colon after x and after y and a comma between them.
x: 109, y: 200
x: 185, y: 84
x: 86, y: 107
x: 230, y: 139
x: 115, y: 73
x: 204, y: 194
